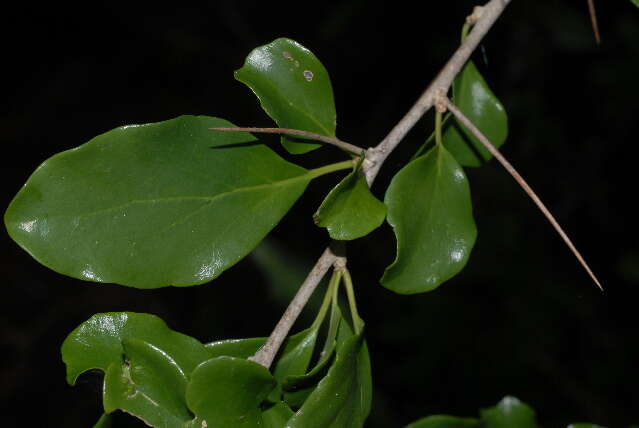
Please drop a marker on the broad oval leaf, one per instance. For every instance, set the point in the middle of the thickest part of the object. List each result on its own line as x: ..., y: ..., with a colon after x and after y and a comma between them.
x: 430, y: 210
x: 444, y: 421
x: 508, y: 413
x: 350, y: 210
x: 227, y: 392
x: 294, y: 89
x: 148, y: 384
x: 97, y: 342
x: 343, y: 398
x: 168, y: 203
x: 475, y: 99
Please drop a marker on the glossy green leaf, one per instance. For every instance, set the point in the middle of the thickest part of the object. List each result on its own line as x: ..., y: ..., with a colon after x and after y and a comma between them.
x: 430, y: 210
x: 168, y: 203
x: 277, y: 415
x: 238, y: 348
x: 105, y: 421
x: 475, y: 99
x: 443, y: 421
x: 148, y: 384
x: 343, y: 398
x: 227, y: 392
x: 508, y: 413
x: 97, y: 342
x: 293, y: 88
x: 350, y: 210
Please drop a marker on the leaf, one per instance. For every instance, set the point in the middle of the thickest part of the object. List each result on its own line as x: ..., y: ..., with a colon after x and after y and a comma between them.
x: 148, y: 384
x: 98, y: 342
x: 294, y: 89
x: 167, y: 203
x: 635, y: 2
x: 443, y: 421
x: 227, y: 392
x: 430, y: 210
x: 350, y: 210
x: 343, y: 397
x: 475, y: 99
x: 238, y: 348
x: 277, y: 415
x: 508, y: 413
x: 294, y: 359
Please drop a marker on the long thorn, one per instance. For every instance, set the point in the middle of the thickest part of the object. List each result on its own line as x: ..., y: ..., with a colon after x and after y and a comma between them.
x: 491, y: 148
x: 351, y: 148
x: 593, y: 19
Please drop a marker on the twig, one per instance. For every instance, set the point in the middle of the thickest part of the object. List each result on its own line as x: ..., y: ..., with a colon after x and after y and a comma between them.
x: 351, y: 148
x: 519, y: 179
x: 378, y: 154
x: 375, y: 157
x: 266, y: 353
x: 593, y: 19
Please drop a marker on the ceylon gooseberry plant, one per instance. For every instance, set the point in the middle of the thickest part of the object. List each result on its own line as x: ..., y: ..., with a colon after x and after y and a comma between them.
x: 178, y: 202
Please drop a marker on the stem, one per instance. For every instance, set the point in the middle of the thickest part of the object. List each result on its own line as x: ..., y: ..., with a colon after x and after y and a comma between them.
x: 438, y: 128
x: 351, y: 148
x: 440, y: 85
x: 266, y: 353
x: 327, y: 169
x: 519, y: 179
x: 358, y: 323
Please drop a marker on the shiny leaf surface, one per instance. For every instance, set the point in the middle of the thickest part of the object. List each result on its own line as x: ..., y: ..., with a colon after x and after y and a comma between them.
x: 293, y: 88
x: 148, y: 384
x: 238, y: 348
x: 350, y: 210
x: 168, y: 203
x: 508, y: 413
x: 343, y: 397
x: 475, y: 99
x: 227, y: 392
x: 98, y: 342
x: 430, y: 210
x: 443, y: 421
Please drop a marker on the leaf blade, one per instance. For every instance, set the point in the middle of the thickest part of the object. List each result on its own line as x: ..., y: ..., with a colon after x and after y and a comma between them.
x: 294, y: 89
x: 168, y: 203
x: 430, y: 210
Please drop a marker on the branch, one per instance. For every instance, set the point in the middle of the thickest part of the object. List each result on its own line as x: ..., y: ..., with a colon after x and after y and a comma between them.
x: 351, y: 148
x: 485, y: 18
x: 519, y: 179
x: 266, y: 353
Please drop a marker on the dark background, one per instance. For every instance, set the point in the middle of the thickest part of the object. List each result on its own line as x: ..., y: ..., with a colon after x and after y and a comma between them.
x: 522, y: 319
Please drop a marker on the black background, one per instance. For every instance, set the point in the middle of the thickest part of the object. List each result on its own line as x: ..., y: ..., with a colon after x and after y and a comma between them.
x: 521, y: 319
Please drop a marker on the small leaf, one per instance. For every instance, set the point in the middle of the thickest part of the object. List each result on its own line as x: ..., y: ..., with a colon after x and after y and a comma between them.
x: 277, y: 415
x: 343, y: 398
x: 475, y: 99
x: 227, y: 392
x: 148, y: 384
x: 350, y: 210
x: 443, y: 421
x: 97, y: 342
x: 294, y: 89
x: 508, y: 413
x: 168, y: 203
x: 238, y: 348
x: 430, y: 210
